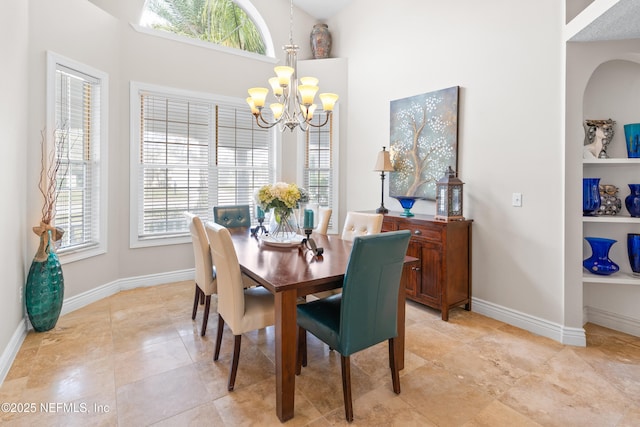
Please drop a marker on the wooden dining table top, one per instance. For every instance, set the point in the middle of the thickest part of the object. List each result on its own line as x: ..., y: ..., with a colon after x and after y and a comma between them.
x: 285, y: 268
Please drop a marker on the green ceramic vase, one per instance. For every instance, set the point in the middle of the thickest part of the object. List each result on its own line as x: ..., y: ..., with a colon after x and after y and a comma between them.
x: 44, y: 290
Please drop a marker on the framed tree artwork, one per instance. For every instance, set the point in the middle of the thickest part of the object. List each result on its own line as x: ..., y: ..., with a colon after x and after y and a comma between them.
x: 424, y: 142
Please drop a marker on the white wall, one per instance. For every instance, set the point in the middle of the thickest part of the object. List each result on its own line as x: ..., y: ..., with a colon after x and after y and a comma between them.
x: 14, y: 260
x: 510, y: 126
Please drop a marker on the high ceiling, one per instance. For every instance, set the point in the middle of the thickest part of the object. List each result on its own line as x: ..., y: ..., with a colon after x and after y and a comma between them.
x: 620, y: 21
x: 321, y: 9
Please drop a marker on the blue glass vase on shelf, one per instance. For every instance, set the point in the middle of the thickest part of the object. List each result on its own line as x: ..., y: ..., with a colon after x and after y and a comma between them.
x: 633, y: 250
x: 407, y: 203
x: 632, y: 135
x: 599, y: 261
x: 632, y: 201
x: 590, y: 196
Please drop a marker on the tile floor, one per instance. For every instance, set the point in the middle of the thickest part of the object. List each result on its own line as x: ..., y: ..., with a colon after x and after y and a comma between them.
x: 136, y: 358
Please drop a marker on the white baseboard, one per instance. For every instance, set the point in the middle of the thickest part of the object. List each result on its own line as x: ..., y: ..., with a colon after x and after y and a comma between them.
x: 12, y: 348
x: 618, y: 322
x: 96, y: 294
x: 81, y: 300
x: 555, y: 331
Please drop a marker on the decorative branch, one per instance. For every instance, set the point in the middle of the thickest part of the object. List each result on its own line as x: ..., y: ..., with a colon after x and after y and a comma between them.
x: 50, y: 163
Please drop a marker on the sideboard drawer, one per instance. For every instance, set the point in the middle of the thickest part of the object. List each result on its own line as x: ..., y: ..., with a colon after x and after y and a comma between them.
x: 420, y: 231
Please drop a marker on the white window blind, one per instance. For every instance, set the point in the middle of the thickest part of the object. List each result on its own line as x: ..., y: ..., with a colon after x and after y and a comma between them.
x: 195, y: 153
x: 318, y: 163
x: 174, y: 159
x: 77, y: 134
x: 243, y: 157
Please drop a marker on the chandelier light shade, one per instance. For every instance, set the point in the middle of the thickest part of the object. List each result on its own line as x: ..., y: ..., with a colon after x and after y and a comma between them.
x: 295, y: 96
x: 383, y: 164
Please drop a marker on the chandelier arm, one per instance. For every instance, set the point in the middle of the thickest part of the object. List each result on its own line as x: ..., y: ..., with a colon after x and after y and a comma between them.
x: 268, y: 125
x: 326, y: 119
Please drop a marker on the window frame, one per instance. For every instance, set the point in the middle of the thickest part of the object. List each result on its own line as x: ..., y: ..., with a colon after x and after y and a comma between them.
x: 249, y: 9
x: 135, y: 241
x: 100, y: 189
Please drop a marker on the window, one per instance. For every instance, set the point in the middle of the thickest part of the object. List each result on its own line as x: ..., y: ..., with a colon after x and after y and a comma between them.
x: 320, y: 164
x: 77, y: 106
x: 191, y: 152
x: 226, y: 23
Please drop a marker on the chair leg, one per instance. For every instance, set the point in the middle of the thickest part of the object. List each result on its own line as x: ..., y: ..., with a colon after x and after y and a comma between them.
x: 205, y: 316
x: 195, y: 302
x: 216, y: 353
x: 301, y: 355
x: 201, y: 297
x: 234, y: 361
x: 393, y: 361
x: 346, y: 387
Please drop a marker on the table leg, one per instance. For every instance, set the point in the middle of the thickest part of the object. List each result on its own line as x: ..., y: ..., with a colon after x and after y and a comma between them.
x: 285, y: 331
x: 399, y: 341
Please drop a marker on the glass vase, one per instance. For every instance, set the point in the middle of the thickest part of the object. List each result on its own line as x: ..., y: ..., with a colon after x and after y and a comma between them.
x: 599, y: 261
x: 633, y: 250
x: 632, y: 201
x: 632, y: 136
x: 44, y: 289
x: 283, y: 225
x: 590, y: 196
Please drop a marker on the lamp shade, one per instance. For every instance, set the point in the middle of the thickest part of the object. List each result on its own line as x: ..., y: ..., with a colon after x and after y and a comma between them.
x: 383, y: 163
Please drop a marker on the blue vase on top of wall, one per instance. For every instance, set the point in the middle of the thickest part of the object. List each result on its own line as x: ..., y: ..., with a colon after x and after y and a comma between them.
x: 590, y: 196
x: 599, y: 261
x: 632, y: 201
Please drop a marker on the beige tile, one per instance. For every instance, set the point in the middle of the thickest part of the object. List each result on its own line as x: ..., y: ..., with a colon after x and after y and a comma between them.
x: 161, y: 396
x: 150, y: 360
x: 498, y: 414
x: 443, y: 397
x: 255, y: 406
x: 566, y: 391
x: 381, y: 407
x: 202, y: 416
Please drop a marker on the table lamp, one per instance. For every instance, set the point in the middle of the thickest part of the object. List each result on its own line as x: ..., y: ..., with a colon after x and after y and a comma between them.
x: 383, y: 164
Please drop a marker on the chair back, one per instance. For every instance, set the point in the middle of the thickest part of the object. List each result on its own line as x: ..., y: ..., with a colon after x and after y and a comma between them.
x: 232, y: 216
x: 369, y: 307
x: 324, y: 215
x: 361, y: 224
x: 230, y: 286
x: 205, y: 278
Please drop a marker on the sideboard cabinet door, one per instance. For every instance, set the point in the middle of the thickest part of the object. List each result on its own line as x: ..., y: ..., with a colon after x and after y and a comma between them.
x: 442, y: 279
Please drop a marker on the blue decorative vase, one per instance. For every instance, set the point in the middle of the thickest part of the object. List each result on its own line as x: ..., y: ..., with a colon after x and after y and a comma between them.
x: 44, y: 290
x: 599, y: 261
x: 407, y: 203
x: 590, y: 196
x: 633, y: 249
x: 632, y: 135
x: 632, y: 201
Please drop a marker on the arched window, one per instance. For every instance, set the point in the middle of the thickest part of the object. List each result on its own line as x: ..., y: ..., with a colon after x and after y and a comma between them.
x: 222, y: 22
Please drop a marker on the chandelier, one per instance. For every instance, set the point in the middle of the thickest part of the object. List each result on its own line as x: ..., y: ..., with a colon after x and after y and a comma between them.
x: 295, y: 97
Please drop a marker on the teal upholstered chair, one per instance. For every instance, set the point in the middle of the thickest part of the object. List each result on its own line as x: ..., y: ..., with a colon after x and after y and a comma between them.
x: 232, y: 216
x: 366, y: 311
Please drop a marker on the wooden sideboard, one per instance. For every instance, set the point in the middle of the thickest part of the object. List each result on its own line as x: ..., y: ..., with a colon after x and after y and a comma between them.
x: 443, y: 278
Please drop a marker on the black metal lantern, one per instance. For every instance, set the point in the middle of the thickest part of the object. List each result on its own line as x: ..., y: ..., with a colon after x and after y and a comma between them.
x: 449, y: 197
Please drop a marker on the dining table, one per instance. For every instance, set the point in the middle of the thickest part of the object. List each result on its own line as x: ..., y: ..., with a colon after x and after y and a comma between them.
x: 290, y: 271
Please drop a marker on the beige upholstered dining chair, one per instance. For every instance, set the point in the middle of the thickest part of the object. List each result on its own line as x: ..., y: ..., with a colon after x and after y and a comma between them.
x: 205, y: 273
x: 242, y: 309
x: 356, y: 224
x: 324, y: 215
x: 361, y: 224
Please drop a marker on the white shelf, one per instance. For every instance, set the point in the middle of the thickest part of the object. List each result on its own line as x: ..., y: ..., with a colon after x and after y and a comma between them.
x: 618, y: 161
x: 611, y: 219
x: 618, y: 278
